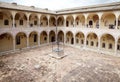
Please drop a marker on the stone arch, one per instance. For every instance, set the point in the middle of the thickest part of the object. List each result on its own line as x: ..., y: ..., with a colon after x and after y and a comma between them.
x: 60, y: 21
x: 43, y: 37
x: 6, y: 42
x: 20, y: 19
x: 52, y: 21
x: 92, y: 40
x: 5, y: 19
x: 52, y: 36
x: 80, y: 37
x: 107, y: 42
x: 108, y: 20
x: 44, y: 21
x: 92, y: 20
x: 33, y: 20
x: 69, y: 21
x: 33, y: 38
x: 21, y: 40
x: 61, y: 36
x: 80, y: 20
x: 69, y: 38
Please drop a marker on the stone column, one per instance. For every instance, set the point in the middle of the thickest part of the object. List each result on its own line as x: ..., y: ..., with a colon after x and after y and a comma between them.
x: 85, y: 42
x: 48, y: 38
x: 48, y: 17
x: 99, y: 23
x: 74, y: 17
x: 39, y: 16
x: 28, y: 23
x: 115, y: 46
x: 38, y: 40
x: 86, y: 23
x: 27, y: 41
x: 99, y: 44
x: 64, y: 21
x: 74, y: 39
x: 14, y: 43
x: 116, y: 27
x: 64, y: 38
x: 13, y: 22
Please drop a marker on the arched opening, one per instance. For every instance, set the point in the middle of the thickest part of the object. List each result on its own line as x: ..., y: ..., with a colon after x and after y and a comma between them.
x: 21, y: 40
x: 69, y: 38
x: 107, y: 42
x: 52, y: 36
x: 6, y: 42
x: 118, y: 45
x: 5, y: 19
x: 43, y: 37
x: 69, y: 21
x: 118, y: 22
x: 33, y: 20
x: 60, y: 21
x: 52, y: 21
x: 33, y: 39
x: 20, y: 20
x: 80, y: 21
x: 44, y: 21
x: 60, y: 36
x: 93, y: 20
x: 80, y: 38
x: 108, y: 20
x: 92, y: 40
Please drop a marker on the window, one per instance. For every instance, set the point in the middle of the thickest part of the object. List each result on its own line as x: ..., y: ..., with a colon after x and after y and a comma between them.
x: 97, y: 44
x: 103, y: 45
x: 87, y: 43
x: 92, y: 43
x: 118, y: 47
x: 77, y: 41
x: 82, y: 42
x: 45, y: 38
x: 35, y: 22
x: 21, y: 22
x: 90, y: 23
x: 18, y: 40
x: 110, y: 46
x: 118, y: 22
x: 35, y: 37
x: 6, y: 22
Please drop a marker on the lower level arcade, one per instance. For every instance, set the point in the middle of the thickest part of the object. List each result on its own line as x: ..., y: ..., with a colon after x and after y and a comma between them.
x: 22, y: 40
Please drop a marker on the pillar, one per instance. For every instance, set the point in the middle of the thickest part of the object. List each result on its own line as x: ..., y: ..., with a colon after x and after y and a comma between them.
x: 99, y: 23
x: 13, y: 22
x: 116, y: 27
x: 28, y: 22
x: 64, y: 38
x: 27, y: 41
x: 74, y: 39
x: 38, y: 40
x: 48, y: 38
x: 99, y: 44
x: 48, y: 17
x: 14, y: 43
x: 65, y: 20
x: 74, y: 17
x: 39, y: 16
x: 115, y: 46
x: 85, y: 42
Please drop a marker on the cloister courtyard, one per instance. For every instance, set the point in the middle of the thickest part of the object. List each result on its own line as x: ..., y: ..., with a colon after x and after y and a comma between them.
x: 78, y: 65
